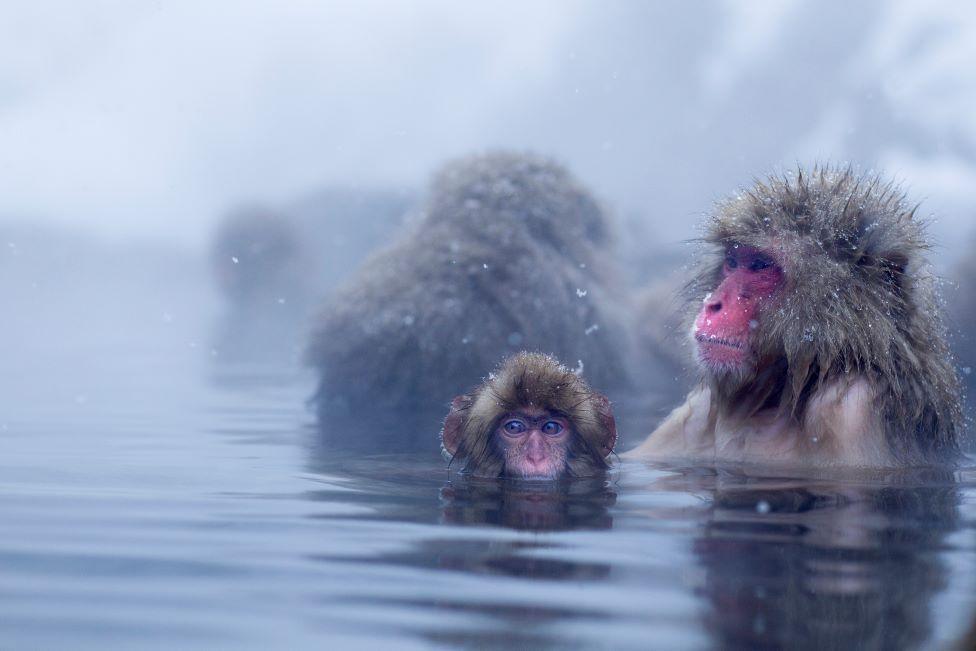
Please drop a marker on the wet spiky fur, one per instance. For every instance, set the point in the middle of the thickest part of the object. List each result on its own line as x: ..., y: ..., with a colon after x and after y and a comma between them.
x: 860, y: 300
x: 533, y: 379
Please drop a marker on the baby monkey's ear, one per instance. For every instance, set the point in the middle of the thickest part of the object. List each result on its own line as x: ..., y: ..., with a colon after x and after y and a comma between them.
x: 604, y: 412
x: 454, y: 424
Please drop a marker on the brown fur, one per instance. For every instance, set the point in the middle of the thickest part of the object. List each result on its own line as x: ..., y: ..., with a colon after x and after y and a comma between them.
x: 510, y: 253
x: 537, y: 380
x: 859, y: 301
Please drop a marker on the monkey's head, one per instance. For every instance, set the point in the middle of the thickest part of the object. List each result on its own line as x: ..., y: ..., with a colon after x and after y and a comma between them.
x: 505, y: 195
x: 817, y: 275
x: 532, y: 419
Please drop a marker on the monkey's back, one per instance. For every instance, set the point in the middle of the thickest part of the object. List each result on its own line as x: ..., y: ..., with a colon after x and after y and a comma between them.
x: 426, y: 320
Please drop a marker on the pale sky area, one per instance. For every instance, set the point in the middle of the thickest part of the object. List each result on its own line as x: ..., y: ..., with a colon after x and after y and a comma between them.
x: 151, y: 119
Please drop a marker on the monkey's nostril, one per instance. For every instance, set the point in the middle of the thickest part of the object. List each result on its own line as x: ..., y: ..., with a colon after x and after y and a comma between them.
x: 715, y: 307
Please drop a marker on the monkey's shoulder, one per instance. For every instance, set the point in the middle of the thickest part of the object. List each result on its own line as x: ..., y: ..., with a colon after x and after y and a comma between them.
x: 844, y: 418
x: 841, y: 426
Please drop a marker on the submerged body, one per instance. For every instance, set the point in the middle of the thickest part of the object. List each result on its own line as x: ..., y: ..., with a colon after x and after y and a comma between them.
x: 819, y: 339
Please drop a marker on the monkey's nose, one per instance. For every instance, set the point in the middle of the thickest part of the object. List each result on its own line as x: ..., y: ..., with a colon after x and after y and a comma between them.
x: 534, y: 450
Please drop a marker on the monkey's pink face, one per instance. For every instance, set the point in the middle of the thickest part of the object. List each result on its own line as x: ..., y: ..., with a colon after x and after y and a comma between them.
x: 730, y: 314
x: 534, y: 443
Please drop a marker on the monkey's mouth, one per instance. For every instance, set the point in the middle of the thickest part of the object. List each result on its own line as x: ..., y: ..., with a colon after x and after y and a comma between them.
x: 719, y: 341
x: 537, y: 471
x: 718, y: 353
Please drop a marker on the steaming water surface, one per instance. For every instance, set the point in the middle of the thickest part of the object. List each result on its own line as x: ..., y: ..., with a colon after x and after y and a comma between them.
x: 158, y: 491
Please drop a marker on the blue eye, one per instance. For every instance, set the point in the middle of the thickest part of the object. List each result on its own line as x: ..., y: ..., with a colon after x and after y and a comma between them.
x: 759, y: 264
x: 514, y: 427
x: 552, y: 428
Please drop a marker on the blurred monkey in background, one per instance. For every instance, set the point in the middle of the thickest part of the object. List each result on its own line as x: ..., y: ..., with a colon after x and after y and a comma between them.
x: 510, y: 253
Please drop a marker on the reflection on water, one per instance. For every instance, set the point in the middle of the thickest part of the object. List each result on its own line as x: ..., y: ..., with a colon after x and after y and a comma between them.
x: 156, y: 493
x: 826, y: 565
x: 753, y: 561
x: 529, y: 506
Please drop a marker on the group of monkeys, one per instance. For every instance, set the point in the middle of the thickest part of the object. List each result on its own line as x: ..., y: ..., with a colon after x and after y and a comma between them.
x: 813, y: 315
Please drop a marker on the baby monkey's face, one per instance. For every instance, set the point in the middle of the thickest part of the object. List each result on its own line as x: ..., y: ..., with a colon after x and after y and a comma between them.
x: 534, y: 443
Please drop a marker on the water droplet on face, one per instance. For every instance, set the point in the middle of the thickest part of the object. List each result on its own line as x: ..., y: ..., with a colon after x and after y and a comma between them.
x: 762, y: 506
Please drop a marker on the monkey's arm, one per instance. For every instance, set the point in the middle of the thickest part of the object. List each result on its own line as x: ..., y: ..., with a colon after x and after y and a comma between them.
x: 688, y: 432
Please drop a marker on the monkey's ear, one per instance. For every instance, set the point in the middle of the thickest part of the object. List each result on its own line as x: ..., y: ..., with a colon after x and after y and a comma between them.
x: 604, y: 411
x: 451, y: 434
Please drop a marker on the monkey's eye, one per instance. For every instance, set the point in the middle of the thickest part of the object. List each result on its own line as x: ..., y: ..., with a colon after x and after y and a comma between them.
x: 552, y: 428
x: 514, y: 426
x: 758, y: 264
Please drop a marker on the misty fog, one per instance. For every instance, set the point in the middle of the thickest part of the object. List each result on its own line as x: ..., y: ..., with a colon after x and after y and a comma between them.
x: 148, y: 120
